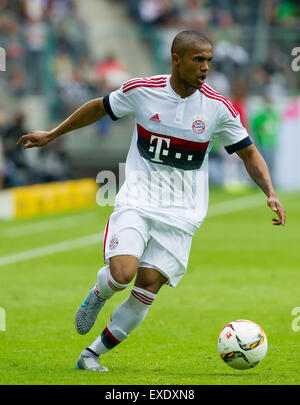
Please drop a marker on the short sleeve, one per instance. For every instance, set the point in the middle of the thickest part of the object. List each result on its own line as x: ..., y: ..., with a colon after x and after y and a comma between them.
x: 117, y: 104
x: 230, y: 131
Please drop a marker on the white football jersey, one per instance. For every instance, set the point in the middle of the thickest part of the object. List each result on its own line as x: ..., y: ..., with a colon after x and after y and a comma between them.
x: 166, y: 175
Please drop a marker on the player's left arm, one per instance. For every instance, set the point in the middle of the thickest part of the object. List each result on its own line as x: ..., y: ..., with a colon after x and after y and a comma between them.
x: 259, y: 172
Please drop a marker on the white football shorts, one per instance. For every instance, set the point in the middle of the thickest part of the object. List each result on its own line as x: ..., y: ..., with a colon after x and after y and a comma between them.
x: 162, y: 247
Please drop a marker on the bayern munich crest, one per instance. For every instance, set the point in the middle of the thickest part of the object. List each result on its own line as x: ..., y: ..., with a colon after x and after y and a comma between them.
x: 114, y: 242
x: 198, y: 126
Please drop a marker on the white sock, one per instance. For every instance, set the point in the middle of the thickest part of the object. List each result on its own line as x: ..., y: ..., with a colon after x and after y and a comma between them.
x: 124, y: 320
x: 106, y: 285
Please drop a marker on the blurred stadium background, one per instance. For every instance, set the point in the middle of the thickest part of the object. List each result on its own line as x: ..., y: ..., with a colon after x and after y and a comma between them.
x: 61, y: 53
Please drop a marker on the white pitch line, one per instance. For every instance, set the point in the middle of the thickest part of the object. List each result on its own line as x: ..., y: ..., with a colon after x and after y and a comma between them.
x: 63, y: 246
x: 243, y: 203
x: 48, y: 225
x: 238, y: 204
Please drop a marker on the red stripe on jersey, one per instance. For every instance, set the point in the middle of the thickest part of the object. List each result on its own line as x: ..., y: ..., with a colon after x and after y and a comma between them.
x: 125, y: 87
x: 144, y: 79
x: 116, y: 341
x: 213, y: 96
x: 220, y: 99
x: 105, y: 237
x: 208, y: 91
x: 211, y: 91
x: 144, y: 85
x: 140, y: 299
x: 175, y: 142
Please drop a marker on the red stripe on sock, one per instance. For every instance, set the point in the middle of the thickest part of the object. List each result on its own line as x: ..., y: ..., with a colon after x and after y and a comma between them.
x: 116, y: 341
x: 141, y: 299
x: 143, y: 296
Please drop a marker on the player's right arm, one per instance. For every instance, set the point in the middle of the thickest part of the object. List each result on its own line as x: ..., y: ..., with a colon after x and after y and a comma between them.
x: 87, y: 114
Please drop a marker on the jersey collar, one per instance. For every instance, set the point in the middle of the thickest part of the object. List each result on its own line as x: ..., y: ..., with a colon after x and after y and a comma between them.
x: 177, y: 96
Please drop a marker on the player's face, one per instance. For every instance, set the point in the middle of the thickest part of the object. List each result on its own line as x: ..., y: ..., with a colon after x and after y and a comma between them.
x: 194, y: 65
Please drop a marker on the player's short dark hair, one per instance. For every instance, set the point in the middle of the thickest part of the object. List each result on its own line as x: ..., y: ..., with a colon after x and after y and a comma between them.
x: 184, y: 39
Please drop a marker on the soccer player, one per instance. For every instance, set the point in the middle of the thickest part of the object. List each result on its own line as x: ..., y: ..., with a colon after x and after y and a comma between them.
x: 164, y: 198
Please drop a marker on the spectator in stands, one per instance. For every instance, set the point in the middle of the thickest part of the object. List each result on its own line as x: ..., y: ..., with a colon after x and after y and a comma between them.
x: 25, y: 26
x: 36, y: 32
x: 110, y: 73
x: 54, y: 164
x: 17, y: 81
x: 286, y: 13
x: 265, y: 127
x: 59, y: 9
x: 70, y: 32
x: 217, y: 165
x: 12, y: 40
x: 34, y: 9
x: 153, y: 11
x: 235, y: 176
x: 239, y: 94
x: 196, y: 14
x: 16, y: 167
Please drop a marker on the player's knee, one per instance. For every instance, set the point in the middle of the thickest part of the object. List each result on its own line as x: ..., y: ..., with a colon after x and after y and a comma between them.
x: 122, y: 271
x: 122, y: 277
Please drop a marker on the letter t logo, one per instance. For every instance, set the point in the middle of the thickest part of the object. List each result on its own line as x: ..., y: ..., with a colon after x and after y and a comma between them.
x: 158, y: 148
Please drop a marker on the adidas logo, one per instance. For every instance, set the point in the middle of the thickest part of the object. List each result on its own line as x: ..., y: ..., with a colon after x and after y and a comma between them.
x: 155, y: 118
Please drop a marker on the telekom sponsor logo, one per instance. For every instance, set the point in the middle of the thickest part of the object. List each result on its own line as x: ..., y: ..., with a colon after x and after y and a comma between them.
x: 157, y: 149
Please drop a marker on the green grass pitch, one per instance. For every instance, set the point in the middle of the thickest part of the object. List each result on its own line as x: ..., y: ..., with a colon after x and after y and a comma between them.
x: 241, y: 266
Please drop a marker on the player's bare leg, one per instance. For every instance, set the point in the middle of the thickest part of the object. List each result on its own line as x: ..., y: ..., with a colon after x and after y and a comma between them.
x: 125, y: 318
x: 149, y: 279
x: 110, y: 279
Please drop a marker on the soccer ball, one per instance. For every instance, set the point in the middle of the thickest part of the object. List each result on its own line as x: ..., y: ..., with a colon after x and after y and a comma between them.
x: 242, y: 344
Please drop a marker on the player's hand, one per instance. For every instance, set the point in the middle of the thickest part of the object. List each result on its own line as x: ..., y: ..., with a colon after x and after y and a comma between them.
x: 276, y: 206
x: 36, y: 139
